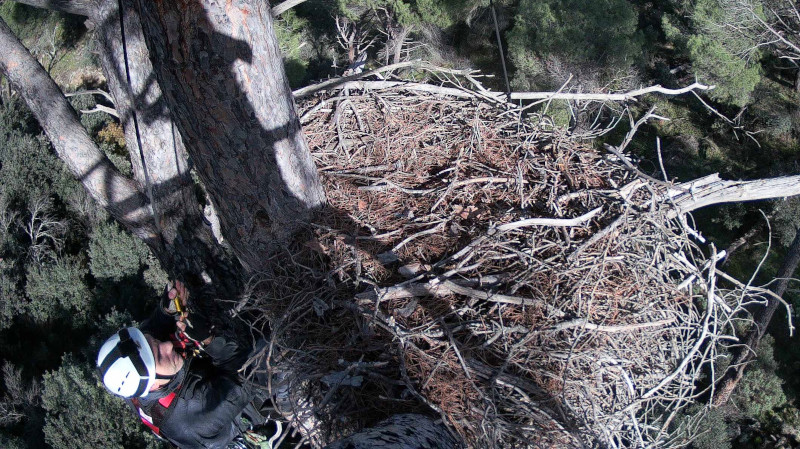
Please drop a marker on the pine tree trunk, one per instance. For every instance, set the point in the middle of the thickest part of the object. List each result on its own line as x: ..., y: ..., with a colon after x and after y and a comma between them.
x: 221, y: 71
x: 157, y: 153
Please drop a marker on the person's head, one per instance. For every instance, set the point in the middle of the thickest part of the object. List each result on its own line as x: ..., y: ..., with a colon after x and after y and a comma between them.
x: 132, y: 364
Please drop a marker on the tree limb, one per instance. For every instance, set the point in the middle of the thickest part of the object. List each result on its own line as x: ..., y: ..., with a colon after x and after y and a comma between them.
x: 743, y: 354
x: 105, y: 94
x: 336, y: 82
x: 711, y: 190
x: 285, y: 6
x: 565, y: 222
x: 101, y: 108
x: 72, y: 143
x: 607, y: 97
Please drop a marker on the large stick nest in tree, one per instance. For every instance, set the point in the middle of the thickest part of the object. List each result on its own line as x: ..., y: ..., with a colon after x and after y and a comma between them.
x: 422, y: 286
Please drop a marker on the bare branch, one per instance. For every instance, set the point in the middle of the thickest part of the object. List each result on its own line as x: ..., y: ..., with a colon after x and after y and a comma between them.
x: 285, y: 6
x: 105, y: 94
x: 712, y: 190
x: 563, y: 222
x: 101, y: 108
x: 607, y: 97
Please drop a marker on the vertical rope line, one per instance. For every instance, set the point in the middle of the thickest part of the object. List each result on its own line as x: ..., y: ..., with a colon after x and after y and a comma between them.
x: 148, y: 184
x: 500, y: 47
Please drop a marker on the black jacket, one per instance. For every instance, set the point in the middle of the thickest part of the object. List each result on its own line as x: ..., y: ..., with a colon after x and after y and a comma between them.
x: 210, y: 397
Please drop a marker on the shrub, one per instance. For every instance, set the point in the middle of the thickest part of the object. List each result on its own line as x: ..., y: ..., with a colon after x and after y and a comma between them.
x: 114, y: 254
x: 58, y: 291
x: 70, y: 423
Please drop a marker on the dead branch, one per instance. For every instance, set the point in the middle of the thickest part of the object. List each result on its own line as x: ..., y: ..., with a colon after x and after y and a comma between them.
x: 625, y: 96
x: 101, y: 108
x: 711, y: 190
x: 285, y: 6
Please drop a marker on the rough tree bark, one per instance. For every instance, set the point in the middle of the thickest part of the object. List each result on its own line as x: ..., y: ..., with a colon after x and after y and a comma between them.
x: 220, y: 68
x: 743, y: 354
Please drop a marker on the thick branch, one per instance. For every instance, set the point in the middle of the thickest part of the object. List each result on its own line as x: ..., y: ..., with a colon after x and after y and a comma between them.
x: 444, y: 288
x: 352, y: 82
x: 104, y: 183
x: 336, y: 82
x: 712, y: 190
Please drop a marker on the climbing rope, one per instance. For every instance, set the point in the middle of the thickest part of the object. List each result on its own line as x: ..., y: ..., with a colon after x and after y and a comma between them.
x: 149, y: 185
x: 500, y: 46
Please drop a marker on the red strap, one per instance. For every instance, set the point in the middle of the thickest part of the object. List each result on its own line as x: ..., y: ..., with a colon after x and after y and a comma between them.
x: 152, y: 426
x: 166, y: 401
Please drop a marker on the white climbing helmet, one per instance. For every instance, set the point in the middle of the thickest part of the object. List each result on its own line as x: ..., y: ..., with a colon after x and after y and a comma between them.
x: 126, y: 364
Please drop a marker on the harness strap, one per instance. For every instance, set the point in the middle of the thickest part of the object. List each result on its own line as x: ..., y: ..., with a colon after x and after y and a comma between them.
x: 157, y: 412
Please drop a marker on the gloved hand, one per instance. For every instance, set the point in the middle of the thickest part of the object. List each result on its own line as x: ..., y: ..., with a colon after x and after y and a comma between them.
x: 176, y: 303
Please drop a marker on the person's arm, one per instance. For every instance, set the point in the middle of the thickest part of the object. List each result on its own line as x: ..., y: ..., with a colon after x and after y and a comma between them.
x: 227, y: 353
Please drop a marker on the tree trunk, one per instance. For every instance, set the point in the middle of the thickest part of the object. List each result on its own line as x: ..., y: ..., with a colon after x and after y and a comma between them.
x: 73, y: 144
x: 743, y: 354
x: 221, y: 71
x: 157, y: 154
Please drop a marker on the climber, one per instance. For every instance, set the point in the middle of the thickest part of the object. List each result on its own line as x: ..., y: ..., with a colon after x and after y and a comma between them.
x: 181, y: 376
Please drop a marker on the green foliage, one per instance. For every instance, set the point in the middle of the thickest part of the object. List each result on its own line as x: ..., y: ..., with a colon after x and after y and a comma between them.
x: 80, y: 413
x: 21, y: 413
x: 760, y: 390
x: 11, y: 442
x: 722, y: 56
x: 13, y: 302
x: 30, y: 170
x: 291, y: 33
x: 714, y: 433
x: 787, y: 219
x: 592, y: 40
x: 714, y: 63
x: 114, y: 254
x: 58, y: 290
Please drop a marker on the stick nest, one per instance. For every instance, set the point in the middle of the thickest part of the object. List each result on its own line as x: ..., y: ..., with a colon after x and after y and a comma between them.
x: 420, y: 287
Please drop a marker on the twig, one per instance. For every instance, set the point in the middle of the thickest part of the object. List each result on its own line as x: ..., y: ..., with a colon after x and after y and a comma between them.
x: 563, y: 222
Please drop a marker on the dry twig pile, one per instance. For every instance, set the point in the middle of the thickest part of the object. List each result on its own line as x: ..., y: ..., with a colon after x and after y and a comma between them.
x: 531, y: 290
